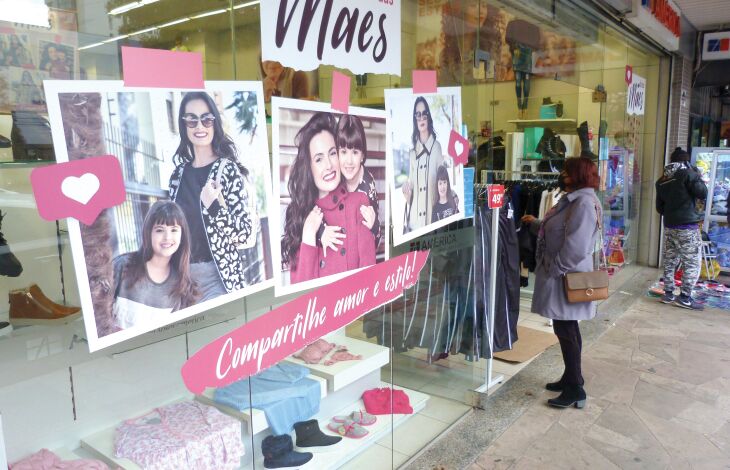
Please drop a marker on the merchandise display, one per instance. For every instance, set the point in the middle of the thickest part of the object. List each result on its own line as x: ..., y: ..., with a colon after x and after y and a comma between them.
x: 279, y: 452
x: 181, y: 435
x: 348, y: 428
x: 311, y: 438
x: 30, y: 306
x: 44, y: 459
x: 9, y: 264
x: 283, y: 392
x: 382, y: 401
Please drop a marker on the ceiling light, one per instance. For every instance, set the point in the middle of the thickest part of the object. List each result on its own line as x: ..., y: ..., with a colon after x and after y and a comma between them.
x: 247, y: 4
x: 91, y: 45
x: 115, y: 38
x: 130, y: 6
x: 172, y: 23
x: 142, y: 31
x: 209, y: 13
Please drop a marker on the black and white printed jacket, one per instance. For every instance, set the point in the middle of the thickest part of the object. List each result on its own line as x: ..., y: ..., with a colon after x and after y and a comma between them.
x: 231, y: 225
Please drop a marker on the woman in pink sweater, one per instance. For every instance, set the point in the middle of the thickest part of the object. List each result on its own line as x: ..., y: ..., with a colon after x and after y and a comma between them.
x: 318, y: 194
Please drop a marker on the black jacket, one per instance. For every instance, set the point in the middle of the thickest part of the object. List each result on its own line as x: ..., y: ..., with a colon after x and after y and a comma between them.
x: 677, y: 192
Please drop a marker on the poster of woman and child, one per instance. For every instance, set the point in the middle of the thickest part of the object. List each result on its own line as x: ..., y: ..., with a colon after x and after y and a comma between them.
x: 332, y: 209
x: 426, y: 186
x: 193, y: 232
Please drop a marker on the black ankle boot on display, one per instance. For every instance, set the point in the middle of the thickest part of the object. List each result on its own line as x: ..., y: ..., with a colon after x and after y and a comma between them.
x: 5, y: 142
x: 310, y: 437
x: 9, y: 264
x: 279, y: 452
x: 585, y: 143
x: 571, y: 395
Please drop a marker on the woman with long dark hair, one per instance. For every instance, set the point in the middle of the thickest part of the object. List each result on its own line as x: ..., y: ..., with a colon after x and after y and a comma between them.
x: 209, y: 185
x: 319, y: 195
x: 156, y: 279
x: 425, y: 157
x: 566, y: 240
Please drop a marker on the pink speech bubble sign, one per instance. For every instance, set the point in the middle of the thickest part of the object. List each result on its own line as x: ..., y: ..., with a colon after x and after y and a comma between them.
x: 158, y: 68
x: 267, y: 340
x: 340, y: 91
x: 424, y: 81
x: 629, y: 74
x: 80, y: 189
x: 458, y: 148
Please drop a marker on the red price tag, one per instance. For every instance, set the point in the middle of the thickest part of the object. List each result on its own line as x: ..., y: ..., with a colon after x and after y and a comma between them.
x: 496, y: 195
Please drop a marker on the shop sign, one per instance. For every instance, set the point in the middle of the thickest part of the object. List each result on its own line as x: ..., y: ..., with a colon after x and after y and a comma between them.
x: 716, y: 46
x: 659, y: 19
x: 636, y: 96
x: 364, y: 37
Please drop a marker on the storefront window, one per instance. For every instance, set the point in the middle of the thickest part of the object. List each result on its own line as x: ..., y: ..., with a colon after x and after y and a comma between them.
x: 532, y: 93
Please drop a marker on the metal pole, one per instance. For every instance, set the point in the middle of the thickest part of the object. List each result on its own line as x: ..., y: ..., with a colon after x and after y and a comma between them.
x: 492, y: 292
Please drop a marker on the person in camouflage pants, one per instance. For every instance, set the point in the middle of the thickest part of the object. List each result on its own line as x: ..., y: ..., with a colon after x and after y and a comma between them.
x: 685, y: 246
x: 677, y: 192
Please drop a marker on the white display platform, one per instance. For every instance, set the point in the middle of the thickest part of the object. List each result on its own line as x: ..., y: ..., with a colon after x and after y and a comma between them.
x: 341, y: 374
x: 348, y: 448
x: 254, y: 418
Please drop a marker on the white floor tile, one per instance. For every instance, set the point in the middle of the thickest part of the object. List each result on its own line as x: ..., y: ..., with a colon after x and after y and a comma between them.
x: 444, y: 410
x: 413, y: 435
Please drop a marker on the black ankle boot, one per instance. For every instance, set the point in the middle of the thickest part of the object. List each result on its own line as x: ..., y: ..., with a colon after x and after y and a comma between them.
x: 279, y: 452
x: 571, y: 395
x: 9, y: 264
x: 310, y: 437
x: 555, y: 386
x: 585, y: 143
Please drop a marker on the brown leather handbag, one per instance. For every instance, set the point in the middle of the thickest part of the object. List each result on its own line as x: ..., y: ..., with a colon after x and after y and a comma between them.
x: 592, y: 285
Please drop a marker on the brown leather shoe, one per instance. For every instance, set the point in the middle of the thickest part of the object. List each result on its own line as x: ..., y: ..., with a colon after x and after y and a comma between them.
x: 31, y: 307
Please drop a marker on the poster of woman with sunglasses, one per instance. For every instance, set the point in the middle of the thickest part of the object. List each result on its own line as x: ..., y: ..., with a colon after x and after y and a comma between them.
x: 418, y: 130
x: 193, y: 231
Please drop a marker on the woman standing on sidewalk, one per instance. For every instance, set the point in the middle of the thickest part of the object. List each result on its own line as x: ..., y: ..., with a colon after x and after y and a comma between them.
x: 566, y: 239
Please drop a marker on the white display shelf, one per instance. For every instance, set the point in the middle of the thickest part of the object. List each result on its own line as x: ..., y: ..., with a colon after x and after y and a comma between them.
x: 348, y: 448
x: 341, y: 374
x: 254, y: 418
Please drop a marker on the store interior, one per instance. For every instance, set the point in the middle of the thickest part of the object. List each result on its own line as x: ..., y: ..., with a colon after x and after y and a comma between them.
x: 432, y: 344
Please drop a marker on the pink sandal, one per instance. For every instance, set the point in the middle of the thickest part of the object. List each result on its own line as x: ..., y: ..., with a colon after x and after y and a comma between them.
x: 348, y: 429
x: 358, y: 417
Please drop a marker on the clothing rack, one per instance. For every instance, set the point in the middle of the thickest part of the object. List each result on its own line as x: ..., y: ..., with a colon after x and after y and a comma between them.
x: 491, y: 380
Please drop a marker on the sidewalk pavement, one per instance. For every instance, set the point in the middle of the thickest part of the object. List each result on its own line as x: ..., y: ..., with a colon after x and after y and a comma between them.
x: 658, y: 384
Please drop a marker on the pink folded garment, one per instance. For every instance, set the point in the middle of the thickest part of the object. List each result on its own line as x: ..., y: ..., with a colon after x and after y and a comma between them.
x: 378, y: 401
x: 315, y: 352
x: 44, y: 459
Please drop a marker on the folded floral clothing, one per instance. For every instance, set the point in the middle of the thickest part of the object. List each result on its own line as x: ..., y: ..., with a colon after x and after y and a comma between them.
x: 44, y: 459
x: 283, y: 393
x: 181, y: 435
x: 378, y: 401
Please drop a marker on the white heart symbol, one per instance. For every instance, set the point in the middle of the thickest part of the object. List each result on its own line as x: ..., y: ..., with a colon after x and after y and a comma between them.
x: 458, y: 147
x: 80, y: 189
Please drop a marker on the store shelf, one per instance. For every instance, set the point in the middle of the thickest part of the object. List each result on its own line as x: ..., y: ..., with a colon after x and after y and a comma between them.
x: 28, y: 164
x: 341, y: 374
x: 560, y: 123
x: 254, y: 418
x: 347, y: 449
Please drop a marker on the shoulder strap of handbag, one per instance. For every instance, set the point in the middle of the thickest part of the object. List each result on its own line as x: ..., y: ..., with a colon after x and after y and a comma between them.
x: 602, y: 260
x: 218, y: 179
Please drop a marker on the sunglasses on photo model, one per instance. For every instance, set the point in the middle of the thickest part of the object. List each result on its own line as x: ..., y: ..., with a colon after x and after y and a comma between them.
x: 421, y: 115
x: 191, y: 120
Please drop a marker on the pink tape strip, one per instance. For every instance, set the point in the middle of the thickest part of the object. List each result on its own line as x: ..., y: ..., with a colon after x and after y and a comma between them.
x: 340, y: 92
x: 158, y: 68
x: 265, y: 341
x: 424, y: 81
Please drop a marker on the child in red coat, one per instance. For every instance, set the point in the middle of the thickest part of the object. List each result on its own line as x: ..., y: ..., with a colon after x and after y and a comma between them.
x: 318, y: 195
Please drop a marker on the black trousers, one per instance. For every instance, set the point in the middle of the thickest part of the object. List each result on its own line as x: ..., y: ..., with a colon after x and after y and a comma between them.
x: 571, y: 344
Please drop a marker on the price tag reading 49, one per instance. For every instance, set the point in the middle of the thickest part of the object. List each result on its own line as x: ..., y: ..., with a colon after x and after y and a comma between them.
x: 496, y: 195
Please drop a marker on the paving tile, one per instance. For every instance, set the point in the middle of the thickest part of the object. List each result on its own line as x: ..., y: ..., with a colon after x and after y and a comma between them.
x: 608, y: 381
x: 520, y: 436
x: 659, y: 401
x: 561, y: 448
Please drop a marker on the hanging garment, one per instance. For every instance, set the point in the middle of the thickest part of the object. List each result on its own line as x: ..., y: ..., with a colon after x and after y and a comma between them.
x: 283, y: 392
x: 507, y: 295
x: 182, y: 435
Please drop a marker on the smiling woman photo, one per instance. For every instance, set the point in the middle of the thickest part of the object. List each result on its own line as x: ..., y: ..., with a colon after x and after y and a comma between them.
x: 319, y: 195
x: 209, y: 185
x: 155, y: 280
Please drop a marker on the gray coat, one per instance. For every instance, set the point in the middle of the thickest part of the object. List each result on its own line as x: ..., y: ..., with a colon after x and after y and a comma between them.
x: 570, y: 240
